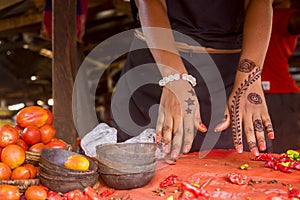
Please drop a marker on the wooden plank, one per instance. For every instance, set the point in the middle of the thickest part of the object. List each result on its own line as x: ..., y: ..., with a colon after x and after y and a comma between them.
x: 20, y: 21
x: 64, y: 61
x: 7, y: 3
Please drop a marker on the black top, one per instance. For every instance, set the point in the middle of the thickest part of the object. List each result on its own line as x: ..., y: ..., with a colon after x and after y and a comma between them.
x: 212, y: 23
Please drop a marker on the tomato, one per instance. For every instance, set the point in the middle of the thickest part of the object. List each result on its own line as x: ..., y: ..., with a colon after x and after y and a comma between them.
x: 8, y: 135
x: 20, y: 172
x: 23, y: 144
x: 36, y: 192
x: 32, y: 116
x: 47, y: 133
x: 31, y: 135
x: 50, y: 117
x: 9, y: 192
x: 56, y: 143
x: 36, y: 148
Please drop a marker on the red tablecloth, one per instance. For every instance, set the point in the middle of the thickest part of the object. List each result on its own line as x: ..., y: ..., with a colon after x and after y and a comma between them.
x: 214, y: 167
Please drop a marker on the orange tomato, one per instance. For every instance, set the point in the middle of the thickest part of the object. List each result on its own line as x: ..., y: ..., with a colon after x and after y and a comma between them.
x: 36, y: 192
x: 32, y: 169
x: 31, y: 135
x: 9, y: 192
x: 5, y: 171
x: 20, y: 172
x: 77, y: 162
x: 13, y: 155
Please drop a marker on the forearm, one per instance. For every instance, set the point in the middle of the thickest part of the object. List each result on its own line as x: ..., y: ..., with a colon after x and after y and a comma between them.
x: 158, y: 34
x: 257, y: 31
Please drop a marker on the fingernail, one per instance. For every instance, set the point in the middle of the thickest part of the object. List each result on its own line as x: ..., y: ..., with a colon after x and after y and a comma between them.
x: 186, y: 149
x: 174, y: 154
x: 262, y: 146
x: 255, y: 151
x: 239, y: 149
x: 158, y: 138
x: 167, y: 148
x: 218, y: 128
x: 203, y: 127
x: 271, y: 135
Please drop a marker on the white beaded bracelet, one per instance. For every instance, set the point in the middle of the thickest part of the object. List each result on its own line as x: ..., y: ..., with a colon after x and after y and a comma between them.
x: 176, y: 77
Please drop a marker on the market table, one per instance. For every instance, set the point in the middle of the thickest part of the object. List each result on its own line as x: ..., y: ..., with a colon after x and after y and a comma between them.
x: 212, y: 170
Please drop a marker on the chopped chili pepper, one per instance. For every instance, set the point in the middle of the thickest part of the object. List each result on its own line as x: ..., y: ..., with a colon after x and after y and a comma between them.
x: 169, y: 181
x: 196, y: 191
x: 74, y: 195
x: 283, y: 168
x: 265, y: 157
x: 293, y: 193
x: 238, y: 178
x: 51, y: 195
x: 107, y: 192
x: 91, y: 193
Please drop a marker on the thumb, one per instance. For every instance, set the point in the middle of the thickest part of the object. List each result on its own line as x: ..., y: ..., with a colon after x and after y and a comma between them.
x: 225, y: 123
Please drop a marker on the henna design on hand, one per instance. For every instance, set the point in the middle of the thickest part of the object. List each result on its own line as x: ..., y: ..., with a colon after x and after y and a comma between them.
x: 235, y: 115
x: 192, y: 92
x: 254, y: 98
x: 188, y: 111
x: 269, y: 128
x: 251, y: 145
x: 246, y: 65
x: 258, y: 125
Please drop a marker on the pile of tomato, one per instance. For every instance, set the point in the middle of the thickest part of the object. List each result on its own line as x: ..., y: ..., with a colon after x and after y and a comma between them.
x: 32, y: 132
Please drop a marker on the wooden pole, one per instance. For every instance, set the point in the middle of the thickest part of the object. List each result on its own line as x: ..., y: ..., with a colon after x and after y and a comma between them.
x: 64, y: 67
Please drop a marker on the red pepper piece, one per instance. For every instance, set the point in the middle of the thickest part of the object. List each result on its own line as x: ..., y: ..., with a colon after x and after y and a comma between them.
x: 197, y: 192
x: 169, y: 181
x: 265, y: 157
x: 91, y: 193
x: 107, y: 192
x: 284, y: 168
x: 237, y: 178
x: 75, y: 195
x: 51, y: 195
x: 294, y: 193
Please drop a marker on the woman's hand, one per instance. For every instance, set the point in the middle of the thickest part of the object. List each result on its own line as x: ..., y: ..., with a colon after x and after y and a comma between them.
x: 248, y: 110
x: 179, y: 114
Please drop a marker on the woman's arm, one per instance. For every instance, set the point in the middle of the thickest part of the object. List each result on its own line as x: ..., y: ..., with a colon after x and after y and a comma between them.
x: 247, y: 105
x: 174, y: 121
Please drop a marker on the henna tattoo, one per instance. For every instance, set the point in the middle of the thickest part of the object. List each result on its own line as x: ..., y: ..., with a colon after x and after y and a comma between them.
x: 251, y: 145
x: 190, y: 102
x: 260, y: 140
x: 188, y: 111
x: 246, y: 65
x: 269, y: 128
x: 235, y: 115
x: 258, y: 125
x: 254, y: 98
x: 192, y: 92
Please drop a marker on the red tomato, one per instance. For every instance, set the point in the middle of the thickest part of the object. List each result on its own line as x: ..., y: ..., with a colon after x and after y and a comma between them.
x: 23, y: 144
x: 9, y: 192
x: 50, y: 117
x: 31, y: 135
x: 47, y: 133
x: 32, y: 116
x: 8, y: 135
x: 37, y: 147
x: 56, y: 143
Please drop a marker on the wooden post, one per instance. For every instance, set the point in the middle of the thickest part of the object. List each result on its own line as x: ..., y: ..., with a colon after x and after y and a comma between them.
x: 64, y: 67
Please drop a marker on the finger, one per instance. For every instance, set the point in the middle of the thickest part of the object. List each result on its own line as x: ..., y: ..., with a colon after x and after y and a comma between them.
x: 237, y: 132
x: 259, y: 132
x: 167, y: 128
x: 176, y: 143
x: 268, y: 127
x: 225, y: 123
x: 198, y: 121
x: 159, y: 124
x: 250, y: 136
x: 188, y: 134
